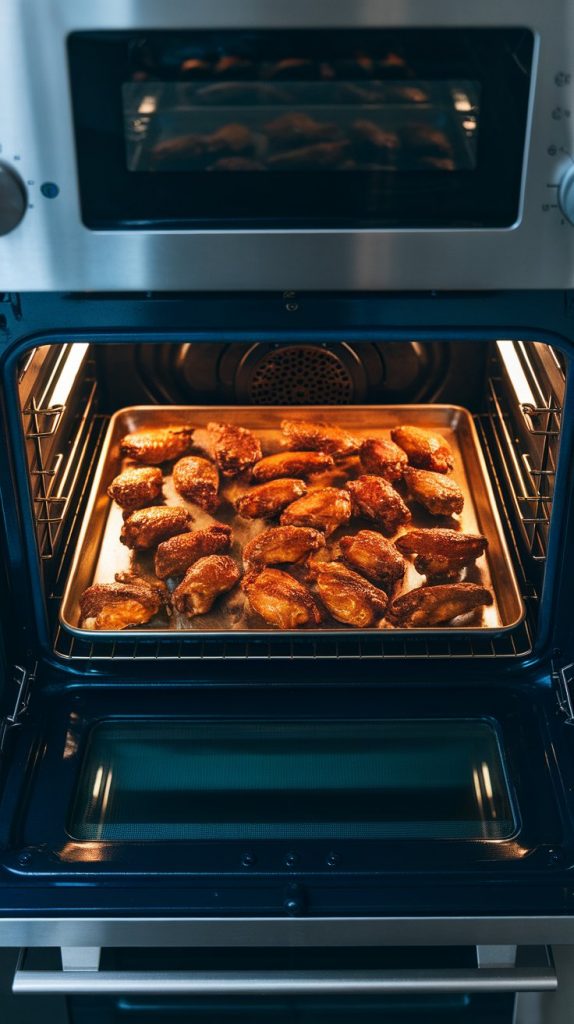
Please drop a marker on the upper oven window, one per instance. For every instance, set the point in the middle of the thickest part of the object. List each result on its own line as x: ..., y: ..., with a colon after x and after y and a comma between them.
x: 319, y: 128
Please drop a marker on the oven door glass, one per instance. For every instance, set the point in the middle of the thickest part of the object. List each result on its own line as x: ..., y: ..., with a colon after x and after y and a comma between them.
x: 315, y: 128
x: 192, y: 781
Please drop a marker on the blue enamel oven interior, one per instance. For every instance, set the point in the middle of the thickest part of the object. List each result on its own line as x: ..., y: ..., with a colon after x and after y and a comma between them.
x: 427, y: 780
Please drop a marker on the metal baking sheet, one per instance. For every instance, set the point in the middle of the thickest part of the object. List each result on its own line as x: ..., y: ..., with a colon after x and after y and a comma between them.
x: 99, y: 554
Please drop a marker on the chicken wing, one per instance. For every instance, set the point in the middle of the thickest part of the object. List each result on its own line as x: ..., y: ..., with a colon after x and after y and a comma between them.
x: 297, y: 128
x: 374, y: 498
x: 203, y: 582
x: 130, y: 601
x: 299, y: 464
x: 318, y: 437
x: 147, y: 527
x: 349, y: 597
x: 136, y: 487
x: 374, y: 557
x: 158, y: 444
x: 267, y: 500
x: 431, y: 606
x: 197, y: 480
x: 281, y: 544
x: 383, y: 458
x: 442, y: 553
x: 174, y: 556
x: 235, y: 448
x: 281, y: 600
x: 424, y: 449
x: 324, y: 509
x: 439, y: 494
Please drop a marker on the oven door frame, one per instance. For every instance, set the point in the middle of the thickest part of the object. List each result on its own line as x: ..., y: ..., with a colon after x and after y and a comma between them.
x: 51, y: 249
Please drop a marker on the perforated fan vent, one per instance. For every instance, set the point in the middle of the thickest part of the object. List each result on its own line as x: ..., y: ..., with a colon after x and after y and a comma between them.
x: 301, y: 375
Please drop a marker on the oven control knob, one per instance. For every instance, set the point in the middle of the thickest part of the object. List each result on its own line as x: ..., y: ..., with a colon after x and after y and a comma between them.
x: 566, y: 195
x: 13, y: 199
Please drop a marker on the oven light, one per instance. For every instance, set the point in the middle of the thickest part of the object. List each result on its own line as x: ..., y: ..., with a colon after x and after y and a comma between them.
x: 462, y: 102
x: 477, y: 790
x: 147, y: 105
x: 516, y: 374
x: 487, y: 782
x: 469, y: 124
x: 68, y: 374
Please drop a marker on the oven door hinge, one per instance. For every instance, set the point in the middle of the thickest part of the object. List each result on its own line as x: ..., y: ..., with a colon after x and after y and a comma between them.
x: 23, y: 678
x: 563, y: 678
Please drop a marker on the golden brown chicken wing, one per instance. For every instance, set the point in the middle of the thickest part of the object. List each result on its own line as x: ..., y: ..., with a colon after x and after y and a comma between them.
x: 442, y: 553
x: 439, y: 494
x: 349, y: 597
x: 431, y: 606
x: 374, y: 498
x: 130, y: 601
x: 158, y: 444
x: 203, y: 582
x: 318, y: 437
x: 299, y: 464
x: 383, y: 458
x: 375, y: 557
x: 136, y: 487
x: 197, y: 480
x: 424, y: 449
x: 147, y: 527
x: 320, y: 154
x: 235, y: 448
x: 174, y: 556
x: 229, y: 139
x: 281, y: 544
x: 281, y: 600
x: 267, y: 500
x: 324, y: 509
x: 297, y: 128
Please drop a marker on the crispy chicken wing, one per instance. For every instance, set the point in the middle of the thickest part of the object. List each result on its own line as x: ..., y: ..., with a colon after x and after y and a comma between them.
x: 431, y: 606
x: 267, y: 500
x: 318, y: 437
x: 442, y: 553
x: 174, y: 556
x: 297, y: 128
x: 136, y: 487
x: 281, y: 600
x: 130, y: 601
x: 197, y: 480
x: 374, y: 557
x: 203, y: 582
x: 424, y: 449
x: 374, y: 498
x: 324, y: 509
x: 235, y: 448
x: 147, y: 527
x: 158, y: 444
x: 349, y: 597
x: 299, y: 464
x: 383, y: 458
x: 282, y: 544
x: 439, y: 494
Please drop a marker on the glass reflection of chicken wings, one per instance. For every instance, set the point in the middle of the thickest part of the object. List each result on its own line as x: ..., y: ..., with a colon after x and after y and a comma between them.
x: 281, y: 600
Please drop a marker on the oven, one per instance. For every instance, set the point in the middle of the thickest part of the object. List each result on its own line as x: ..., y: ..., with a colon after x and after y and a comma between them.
x: 352, y: 215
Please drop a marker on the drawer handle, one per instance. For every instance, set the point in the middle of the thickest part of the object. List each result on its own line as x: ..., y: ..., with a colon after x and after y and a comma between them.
x: 260, y: 983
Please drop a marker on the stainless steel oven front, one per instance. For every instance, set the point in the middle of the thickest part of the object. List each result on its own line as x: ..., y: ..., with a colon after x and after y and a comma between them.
x: 293, y: 146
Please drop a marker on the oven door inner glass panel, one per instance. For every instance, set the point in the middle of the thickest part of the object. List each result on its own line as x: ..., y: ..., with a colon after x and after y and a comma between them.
x: 199, y: 780
x: 378, y: 128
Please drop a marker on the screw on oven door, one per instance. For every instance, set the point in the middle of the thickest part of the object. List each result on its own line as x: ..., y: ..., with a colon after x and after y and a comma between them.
x: 24, y: 858
x: 290, y: 860
x: 294, y: 902
x: 332, y: 860
x: 248, y: 860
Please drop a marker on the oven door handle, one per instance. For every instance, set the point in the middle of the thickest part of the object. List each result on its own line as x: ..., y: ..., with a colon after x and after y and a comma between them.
x: 271, y: 983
